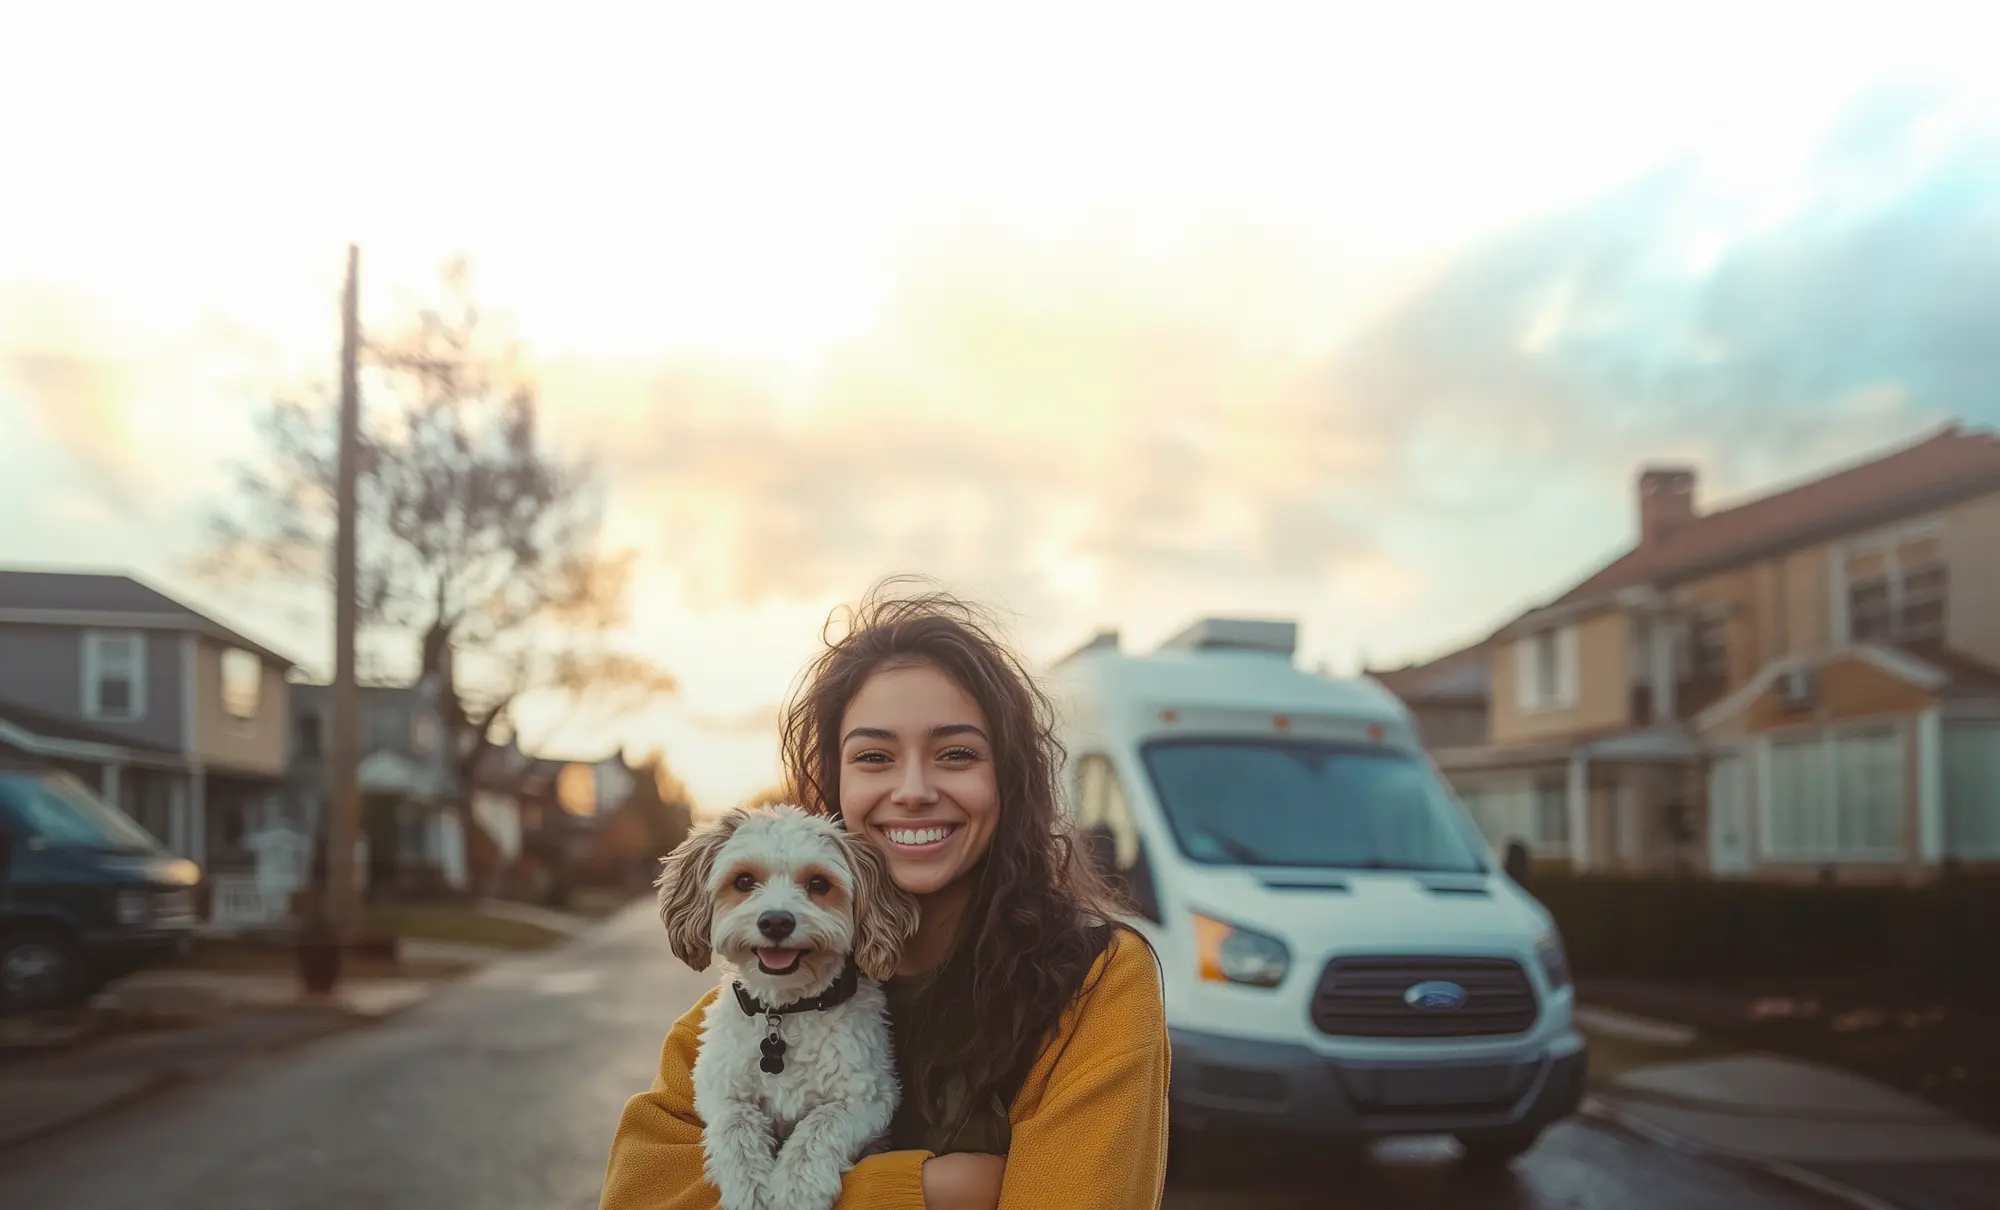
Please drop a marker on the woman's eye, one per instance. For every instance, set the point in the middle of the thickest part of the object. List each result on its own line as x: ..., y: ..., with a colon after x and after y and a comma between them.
x: 872, y: 758
x: 746, y: 882
x: 817, y: 885
x: 960, y: 754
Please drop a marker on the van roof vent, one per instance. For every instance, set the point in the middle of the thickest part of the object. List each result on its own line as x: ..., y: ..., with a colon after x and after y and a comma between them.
x: 1104, y: 642
x: 1262, y: 636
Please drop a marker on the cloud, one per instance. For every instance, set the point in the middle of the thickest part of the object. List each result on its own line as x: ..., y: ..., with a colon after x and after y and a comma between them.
x: 1125, y: 423
x: 79, y: 402
x: 1676, y: 318
x: 1063, y: 428
x: 1101, y: 429
x: 756, y: 721
x: 80, y: 375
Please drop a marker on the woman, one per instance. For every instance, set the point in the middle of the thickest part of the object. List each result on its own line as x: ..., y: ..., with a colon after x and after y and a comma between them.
x: 1031, y: 1040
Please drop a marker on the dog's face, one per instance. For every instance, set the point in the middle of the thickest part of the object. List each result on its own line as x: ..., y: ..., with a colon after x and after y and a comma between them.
x: 784, y: 897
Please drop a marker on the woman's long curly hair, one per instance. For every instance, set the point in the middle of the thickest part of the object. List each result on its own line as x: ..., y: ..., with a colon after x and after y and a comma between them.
x: 1039, y: 914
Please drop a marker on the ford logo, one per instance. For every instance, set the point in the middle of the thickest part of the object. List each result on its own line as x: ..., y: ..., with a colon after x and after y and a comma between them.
x: 1436, y: 996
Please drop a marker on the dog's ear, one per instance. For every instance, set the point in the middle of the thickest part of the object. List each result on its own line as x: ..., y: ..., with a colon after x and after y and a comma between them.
x: 687, y: 907
x: 884, y: 915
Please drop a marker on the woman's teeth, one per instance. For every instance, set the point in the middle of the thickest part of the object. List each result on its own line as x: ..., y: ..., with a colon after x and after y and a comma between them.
x: 915, y: 836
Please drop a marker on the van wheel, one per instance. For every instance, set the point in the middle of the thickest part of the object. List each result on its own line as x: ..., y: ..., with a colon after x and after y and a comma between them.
x: 39, y: 971
x: 1491, y: 1151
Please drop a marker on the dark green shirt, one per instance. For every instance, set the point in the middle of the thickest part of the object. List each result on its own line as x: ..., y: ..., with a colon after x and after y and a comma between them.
x: 985, y: 1129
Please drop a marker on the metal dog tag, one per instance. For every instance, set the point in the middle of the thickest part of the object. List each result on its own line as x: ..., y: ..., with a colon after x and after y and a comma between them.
x: 774, y: 1049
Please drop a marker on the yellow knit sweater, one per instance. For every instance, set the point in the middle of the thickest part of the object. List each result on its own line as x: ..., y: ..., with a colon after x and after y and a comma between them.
x: 1089, y: 1124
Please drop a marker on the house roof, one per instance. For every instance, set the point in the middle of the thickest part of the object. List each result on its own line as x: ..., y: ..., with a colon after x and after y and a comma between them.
x: 1950, y: 465
x: 512, y: 770
x: 46, y: 596
x: 1965, y: 675
x: 47, y: 726
x: 1933, y: 667
x: 1460, y: 676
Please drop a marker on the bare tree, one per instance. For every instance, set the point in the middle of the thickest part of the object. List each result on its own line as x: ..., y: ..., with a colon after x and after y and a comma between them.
x: 480, y: 546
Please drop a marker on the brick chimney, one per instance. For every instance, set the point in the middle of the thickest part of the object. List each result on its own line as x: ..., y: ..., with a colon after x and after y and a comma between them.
x: 1666, y: 501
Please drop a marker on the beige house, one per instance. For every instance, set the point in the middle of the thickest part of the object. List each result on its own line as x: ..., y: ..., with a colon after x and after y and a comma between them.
x: 1806, y: 685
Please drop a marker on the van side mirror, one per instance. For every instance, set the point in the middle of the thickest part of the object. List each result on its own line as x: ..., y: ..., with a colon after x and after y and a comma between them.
x: 1516, y: 863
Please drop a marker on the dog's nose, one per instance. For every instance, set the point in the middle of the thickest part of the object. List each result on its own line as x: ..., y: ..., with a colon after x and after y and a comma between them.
x: 777, y: 925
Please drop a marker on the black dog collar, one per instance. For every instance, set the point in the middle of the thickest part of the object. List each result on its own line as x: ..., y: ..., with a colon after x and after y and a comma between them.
x: 844, y: 986
x: 841, y: 992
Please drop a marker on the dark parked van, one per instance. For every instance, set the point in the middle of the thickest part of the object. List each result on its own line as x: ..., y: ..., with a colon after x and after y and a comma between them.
x: 86, y: 894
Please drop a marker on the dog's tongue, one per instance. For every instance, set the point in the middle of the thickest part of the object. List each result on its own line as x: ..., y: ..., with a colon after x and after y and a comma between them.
x: 778, y: 961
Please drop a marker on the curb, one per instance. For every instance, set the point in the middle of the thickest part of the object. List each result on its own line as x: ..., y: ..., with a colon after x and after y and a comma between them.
x: 1598, y: 1109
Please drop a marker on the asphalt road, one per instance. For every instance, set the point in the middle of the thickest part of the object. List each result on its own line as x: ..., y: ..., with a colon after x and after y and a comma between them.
x: 502, y: 1093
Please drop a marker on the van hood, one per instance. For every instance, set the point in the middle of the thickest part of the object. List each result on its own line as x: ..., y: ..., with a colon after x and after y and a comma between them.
x: 127, y: 867
x: 1318, y: 912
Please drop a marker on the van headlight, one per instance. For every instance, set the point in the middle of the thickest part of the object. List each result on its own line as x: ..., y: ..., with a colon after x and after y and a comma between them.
x: 133, y: 907
x: 1555, y: 963
x: 1235, y: 955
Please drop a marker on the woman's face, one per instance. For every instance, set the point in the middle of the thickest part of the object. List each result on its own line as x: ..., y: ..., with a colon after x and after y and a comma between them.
x: 916, y: 775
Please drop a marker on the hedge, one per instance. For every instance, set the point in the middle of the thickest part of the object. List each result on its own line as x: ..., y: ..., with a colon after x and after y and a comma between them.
x: 1945, y: 934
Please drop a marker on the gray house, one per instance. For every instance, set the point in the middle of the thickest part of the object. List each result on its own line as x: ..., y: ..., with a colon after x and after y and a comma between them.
x: 408, y: 780
x: 179, y: 719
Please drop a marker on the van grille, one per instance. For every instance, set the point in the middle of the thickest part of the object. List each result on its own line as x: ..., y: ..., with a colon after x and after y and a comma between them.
x: 173, y: 909
x: 1363, y: 998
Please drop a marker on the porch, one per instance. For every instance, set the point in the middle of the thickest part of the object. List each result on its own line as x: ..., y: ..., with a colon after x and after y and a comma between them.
x: 1862, y: 765
x: 1626, y: 802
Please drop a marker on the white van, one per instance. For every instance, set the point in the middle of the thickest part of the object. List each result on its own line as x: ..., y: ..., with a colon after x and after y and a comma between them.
x: 1344, y: 955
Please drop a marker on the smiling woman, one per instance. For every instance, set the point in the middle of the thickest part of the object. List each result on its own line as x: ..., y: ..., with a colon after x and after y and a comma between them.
x: 1030, y: 1036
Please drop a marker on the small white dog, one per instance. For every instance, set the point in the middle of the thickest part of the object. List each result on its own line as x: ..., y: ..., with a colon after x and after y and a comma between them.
x: 795, y: 1078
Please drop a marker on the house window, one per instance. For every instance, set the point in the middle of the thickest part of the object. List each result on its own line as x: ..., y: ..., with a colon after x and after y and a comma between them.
x: 1708, y: 651
x: 1536, y: 814
x: 1545, y: 667
x: 1972, y: 788
x: 1896, y: 593
x: 242, y: 683
x: 388, y: 728
x: 1551, y: 814
x: 114, y: 676
x: 1842, y: 795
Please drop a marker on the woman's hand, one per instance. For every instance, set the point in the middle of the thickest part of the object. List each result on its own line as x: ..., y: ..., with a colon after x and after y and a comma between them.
x: 964, y: 1180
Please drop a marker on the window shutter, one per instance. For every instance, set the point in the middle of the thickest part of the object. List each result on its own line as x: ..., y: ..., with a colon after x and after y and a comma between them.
x: 1567, y: 673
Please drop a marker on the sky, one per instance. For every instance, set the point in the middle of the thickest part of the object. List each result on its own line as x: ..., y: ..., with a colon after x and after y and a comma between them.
x: 1106, y: 316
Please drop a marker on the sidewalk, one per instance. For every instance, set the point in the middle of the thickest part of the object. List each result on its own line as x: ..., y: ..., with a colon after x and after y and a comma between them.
x: 1845, y: 1135
x: 165, y: 1027
x: 41, y: 1094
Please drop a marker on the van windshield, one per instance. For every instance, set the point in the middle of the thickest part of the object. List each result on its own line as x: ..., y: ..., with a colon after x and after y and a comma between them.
x: 58, y: 810
x: 1301, y: 803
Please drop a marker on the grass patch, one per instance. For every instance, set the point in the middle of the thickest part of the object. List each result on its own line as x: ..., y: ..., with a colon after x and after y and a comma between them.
x: 459, y: 925
x: 237, y: 957
x: 600, y: 902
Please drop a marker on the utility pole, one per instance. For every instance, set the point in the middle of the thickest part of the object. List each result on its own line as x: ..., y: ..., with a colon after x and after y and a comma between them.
x: 343, y: 790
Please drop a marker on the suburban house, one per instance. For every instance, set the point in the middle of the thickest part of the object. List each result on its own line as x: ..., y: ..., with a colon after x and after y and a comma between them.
x: 545, y: 817
x: 174, y: 716
x: 410, y: 825
x: 1805, y: 685
x: 518, y: 800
